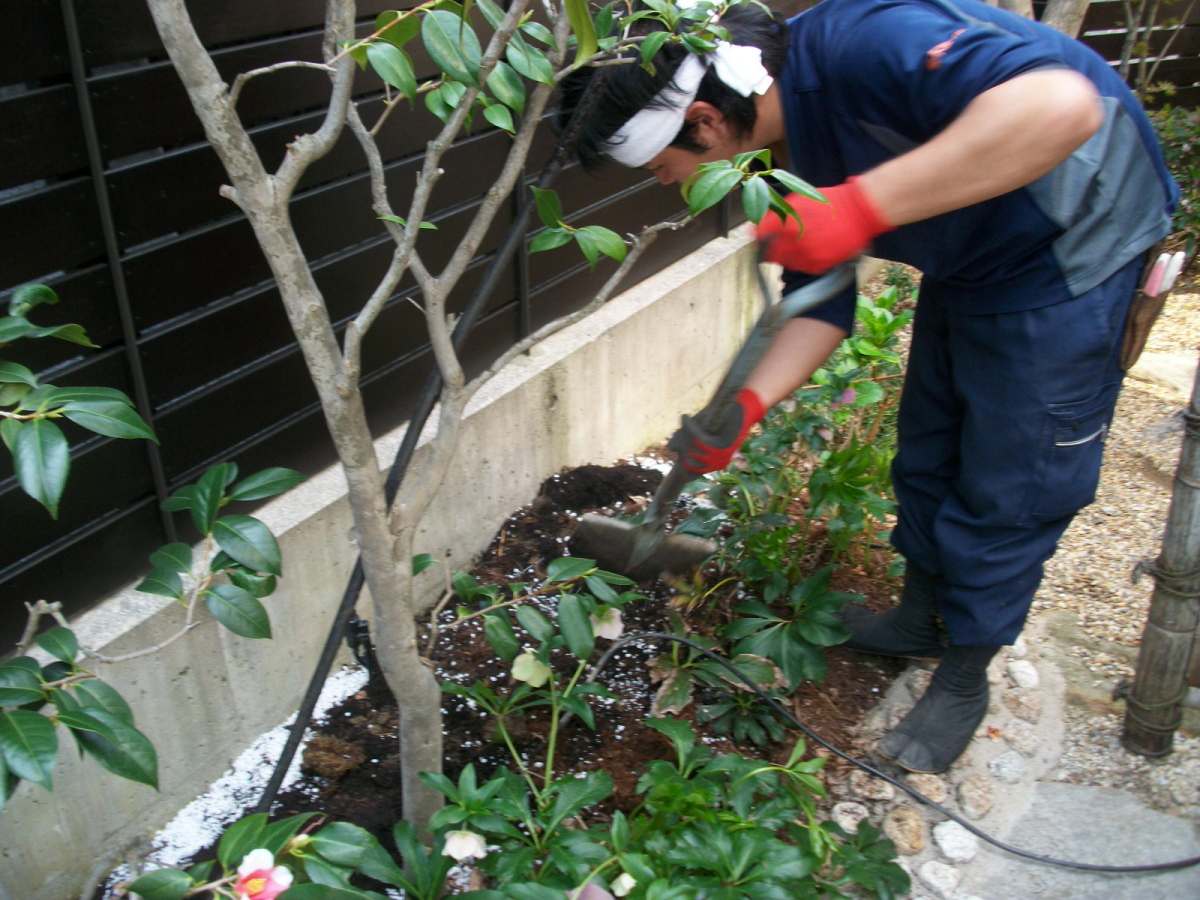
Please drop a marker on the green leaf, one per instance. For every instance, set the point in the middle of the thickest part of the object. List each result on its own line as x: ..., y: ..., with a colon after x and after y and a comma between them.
x: 453, y: 45
x: 576, y: 627
x: 316, y: 891
x: 377, y: 863
x: 52, y: 395
x: 584, y: 30
x: 506, y: 85
x: 492, y: 13
x: 500, y: 117
x: 499, y: 633
x: 250, y: 542
x: 42, y: 459
x: 116, y: 745
x: 72, y: 333
x: 550, y: 239
x: 578, y: 794
x: 401, y: 33
x: 254, y: 584
x: 394, y: 67
x: 533, y: 621
x: 15, y: 373
x: 567, y: 567
x: 710, y: 187
x: 276, y: 835
x: 27, y: 296
x: 163, y: 884
x: 651, y: 44
x: 28, y: 744
x: 325, y: 874
x: 183, y: 498
x: 238, y: 610
x: 60, y: 643
x: 19, y: 685
x: 109, y: 418
x: 595, y: 239
x: 94, y: 694
x: 206, y: 497
x: 756, y: 198
x: 266, y: 483
x: 8, y: 431
x: 11, y: 394
x: 530, y: 62
x: 421, y: 562
x: 162, y: 581
x: 240, y: 838
x: 797, y: 185
x: 403, y: 223
x: 549, y: 208
x: 540, y: 32
x: 177, y: 557
x: 599, y: 588
x: 436, y: 102
x: 342, y: 844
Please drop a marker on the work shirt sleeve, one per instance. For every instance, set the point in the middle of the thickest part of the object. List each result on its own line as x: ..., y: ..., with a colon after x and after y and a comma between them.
x: 913, y: 66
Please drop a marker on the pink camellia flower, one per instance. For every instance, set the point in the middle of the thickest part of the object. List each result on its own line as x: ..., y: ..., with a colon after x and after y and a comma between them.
x: 849, y: 395
x: 608, y: 625
x: 260, y: 879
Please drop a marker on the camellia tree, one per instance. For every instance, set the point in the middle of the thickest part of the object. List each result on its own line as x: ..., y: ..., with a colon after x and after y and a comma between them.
x: 508, y: 81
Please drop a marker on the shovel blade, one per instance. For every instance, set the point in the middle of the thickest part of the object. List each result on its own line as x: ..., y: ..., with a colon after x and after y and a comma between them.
x: 619, y: 547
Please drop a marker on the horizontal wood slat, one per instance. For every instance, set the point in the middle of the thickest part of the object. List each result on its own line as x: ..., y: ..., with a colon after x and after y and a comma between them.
x: 53, y: 229
x: 35, y: 47
x: 40, y: 136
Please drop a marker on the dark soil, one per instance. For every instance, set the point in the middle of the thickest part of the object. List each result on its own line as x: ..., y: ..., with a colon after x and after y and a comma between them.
x: 352, y: 769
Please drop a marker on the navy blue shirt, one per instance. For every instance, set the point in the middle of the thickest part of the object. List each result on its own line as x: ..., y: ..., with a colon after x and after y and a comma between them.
x: 867, y: 80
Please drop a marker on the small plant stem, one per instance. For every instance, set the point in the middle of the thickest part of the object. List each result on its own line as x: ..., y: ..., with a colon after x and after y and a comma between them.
x: 370, y: 37
x: 513, y: 602
x: 553, y: 739
x: 520, y: 762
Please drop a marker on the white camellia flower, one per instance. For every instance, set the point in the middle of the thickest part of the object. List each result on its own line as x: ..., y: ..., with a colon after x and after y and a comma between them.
x: 623, y: 884
x: 608, y: 625
x: 530, y: 669
x: 463, y: 844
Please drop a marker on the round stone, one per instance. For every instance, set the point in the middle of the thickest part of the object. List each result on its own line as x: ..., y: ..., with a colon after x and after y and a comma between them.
x: 1024, y: 705
x: 1023, y: 674
x: 905, y: 826
x: 869, y: 787
x: 1022, y: 737
x: 848, y: 814
x: 956, y: 843
x: 939, y: 877
x: 918, y: 681
x: 976, y: 795
x: 1019, y: 649
x: 931, y: 786
x: 1009, y: 768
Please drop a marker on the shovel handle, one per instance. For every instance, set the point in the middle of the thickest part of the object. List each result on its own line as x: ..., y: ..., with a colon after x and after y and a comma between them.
x: 769, y: 322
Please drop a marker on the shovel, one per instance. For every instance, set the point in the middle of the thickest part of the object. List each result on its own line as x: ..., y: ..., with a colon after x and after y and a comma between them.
x: 643, y: 551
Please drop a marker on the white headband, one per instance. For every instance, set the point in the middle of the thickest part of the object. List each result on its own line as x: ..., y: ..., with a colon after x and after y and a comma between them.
x: 651, y: 130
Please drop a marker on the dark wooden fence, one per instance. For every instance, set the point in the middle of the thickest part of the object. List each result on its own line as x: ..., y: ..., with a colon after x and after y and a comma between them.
x: 109, y: 194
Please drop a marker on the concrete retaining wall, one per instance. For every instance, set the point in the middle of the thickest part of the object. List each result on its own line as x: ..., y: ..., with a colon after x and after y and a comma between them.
x: 605, y: 388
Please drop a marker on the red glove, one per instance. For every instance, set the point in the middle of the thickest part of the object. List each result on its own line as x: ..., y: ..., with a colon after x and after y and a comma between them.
x: 833, y: 232
x: 700, y: 451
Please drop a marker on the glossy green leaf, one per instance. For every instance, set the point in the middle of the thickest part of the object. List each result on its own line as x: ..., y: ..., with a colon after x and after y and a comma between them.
x: 276, y: 835
x: 500, y: 117
x: 28, y: 744
x: 342, y: 844
x: 94, y: 694
x: 60, y: 643
x: 162, y: 582
x: 499, y: 633
x: 599, y: 588
x: 316, y: 891
x: 42, y: 460
x: 19, y: 685
x: 177, y: 557
x: 8, y: 432
x: 402, y: 32
x: 253, y: 583
x: 238, y: 610
x: 550, y: 239
x: 206, y: 497
x: 267, y: 483
x: 240, y: 838
x: 530, y: 62
x: 576, y: 627
x: 403, y: 223
x: 72, y: 333
x: 50, y: 395
x: 756, y: 198
x: 535, y: 622
x: 163, y: 884
x: 421, y: 562
x: 248, y: 541
x: 595, y: 239
x: 181, y: 499
x: 326, y: 874
x: 578, y: 794
x: 377, y: 863
x: 710, y: 187
x: 567, y: 567
x: 117, y: 746
x: 506, y: 85
x: 539, y: 32
x: 797, y: 185
x: 651, y: 44
x: 27, y: 296
x: 394, y: 67
x: 12, y: 393
x: 453, y: 45
x: 109, y: 418
x: 549, y: 207
x: 15, y: 373
x: 436, y: 103
x: 583, y: 28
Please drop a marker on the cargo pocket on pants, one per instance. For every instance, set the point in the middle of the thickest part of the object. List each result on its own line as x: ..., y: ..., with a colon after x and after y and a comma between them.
x: 1069, y: 459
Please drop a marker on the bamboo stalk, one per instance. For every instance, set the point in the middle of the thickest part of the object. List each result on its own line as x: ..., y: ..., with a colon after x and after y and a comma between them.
x: 1154, y: 707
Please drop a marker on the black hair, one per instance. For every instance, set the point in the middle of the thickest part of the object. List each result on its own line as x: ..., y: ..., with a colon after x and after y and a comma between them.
x: 630, y: 88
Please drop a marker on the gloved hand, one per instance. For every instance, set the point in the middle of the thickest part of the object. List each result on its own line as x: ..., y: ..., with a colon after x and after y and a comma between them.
x: 701, y: 452
x: 833, y: 232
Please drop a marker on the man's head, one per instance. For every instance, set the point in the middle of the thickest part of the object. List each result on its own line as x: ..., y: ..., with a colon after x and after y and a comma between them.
x: 715, y: 116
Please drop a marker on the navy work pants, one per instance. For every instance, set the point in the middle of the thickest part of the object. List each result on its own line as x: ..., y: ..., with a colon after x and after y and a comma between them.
x: 1001, y: 430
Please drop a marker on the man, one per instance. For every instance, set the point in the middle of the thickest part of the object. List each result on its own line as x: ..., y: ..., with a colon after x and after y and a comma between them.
x: 1018, y: 173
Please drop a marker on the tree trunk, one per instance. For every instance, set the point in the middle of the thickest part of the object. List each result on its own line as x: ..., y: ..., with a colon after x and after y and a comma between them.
x: 1020, y: 7
x: 1066, y: 15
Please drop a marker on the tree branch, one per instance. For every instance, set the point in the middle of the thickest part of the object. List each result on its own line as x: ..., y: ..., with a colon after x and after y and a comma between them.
x: 243, y: 77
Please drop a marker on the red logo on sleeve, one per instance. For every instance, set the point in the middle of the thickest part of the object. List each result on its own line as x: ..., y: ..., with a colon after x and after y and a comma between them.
x: 933, y: 58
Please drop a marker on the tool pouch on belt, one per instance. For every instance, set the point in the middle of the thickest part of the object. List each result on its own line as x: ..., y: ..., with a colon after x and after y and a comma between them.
x: 1143, y: 312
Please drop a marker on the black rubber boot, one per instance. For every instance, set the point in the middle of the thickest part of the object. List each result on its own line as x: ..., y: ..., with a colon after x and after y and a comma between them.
x: 911, y: 629
x: 938, y: 729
